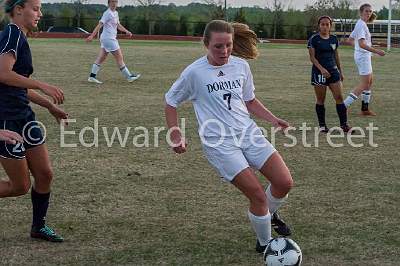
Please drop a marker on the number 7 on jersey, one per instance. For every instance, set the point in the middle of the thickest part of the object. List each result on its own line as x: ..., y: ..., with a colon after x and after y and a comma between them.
x: 227, y: 97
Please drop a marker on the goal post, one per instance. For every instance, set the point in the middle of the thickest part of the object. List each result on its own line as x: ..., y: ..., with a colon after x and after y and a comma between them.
x: 389, y: 34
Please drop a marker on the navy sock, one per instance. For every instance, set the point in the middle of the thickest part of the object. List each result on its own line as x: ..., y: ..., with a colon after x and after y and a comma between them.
x: 320, y: 109
x: 364, y: 106
x: 342, y: 113
x: 92, y: 75
x: 40, y: 203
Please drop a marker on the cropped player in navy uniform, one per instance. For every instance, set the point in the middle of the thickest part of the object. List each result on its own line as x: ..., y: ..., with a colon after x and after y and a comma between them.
x: 326, y: 72
x: 20, y: 157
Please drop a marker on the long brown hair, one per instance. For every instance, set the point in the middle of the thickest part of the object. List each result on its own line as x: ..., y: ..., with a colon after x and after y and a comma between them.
x: 244, y: 39
x: 373, y: 17
x: 245, y: 42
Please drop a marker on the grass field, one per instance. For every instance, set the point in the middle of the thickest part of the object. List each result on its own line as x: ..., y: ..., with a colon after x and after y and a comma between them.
x: 148, y: 206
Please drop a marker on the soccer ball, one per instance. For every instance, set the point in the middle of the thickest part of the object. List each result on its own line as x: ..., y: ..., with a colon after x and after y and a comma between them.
x: 282, y: 251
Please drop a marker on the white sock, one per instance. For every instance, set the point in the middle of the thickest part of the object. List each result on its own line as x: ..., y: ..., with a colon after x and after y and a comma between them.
x: 274, y: 203
x: 350, y: 99
x: 366, y: 96
x: 125, y: 72
x: 95, y: 69
x: 262, y: 227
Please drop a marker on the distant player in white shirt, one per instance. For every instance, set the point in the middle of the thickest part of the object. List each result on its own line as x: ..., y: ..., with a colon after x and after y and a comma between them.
x: 221, y: 88
x: 362, y: 57
x: 109, y: 43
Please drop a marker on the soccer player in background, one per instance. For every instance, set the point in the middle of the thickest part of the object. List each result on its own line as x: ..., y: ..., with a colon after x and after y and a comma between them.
x: 326, y: 72
x: 221, y: 88
x: 109, y: 43
x: 30, y: 156
x: 362, y: 57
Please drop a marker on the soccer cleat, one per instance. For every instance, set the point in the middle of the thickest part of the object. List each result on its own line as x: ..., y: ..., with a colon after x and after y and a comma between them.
x: 279, y: 226
x: 94, y: 80
x: 259, y: 248
x: 367, y: 113
x: 46, y: 233
x: 347, y: 129
x: 133, y: 77
x: 323, y: 129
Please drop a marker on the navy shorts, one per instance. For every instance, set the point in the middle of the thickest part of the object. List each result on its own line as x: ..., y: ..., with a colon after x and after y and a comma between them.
x: 29, y: 129
x: 317, y: 79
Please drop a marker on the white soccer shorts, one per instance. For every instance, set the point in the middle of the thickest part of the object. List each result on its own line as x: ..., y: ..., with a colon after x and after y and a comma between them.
x: 364, y: 64
x: 110, y: 45
x: 231, y: 156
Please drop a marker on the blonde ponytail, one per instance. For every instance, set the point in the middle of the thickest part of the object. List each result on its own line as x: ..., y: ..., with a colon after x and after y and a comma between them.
x: 373, y: 17
x: 245, y: 42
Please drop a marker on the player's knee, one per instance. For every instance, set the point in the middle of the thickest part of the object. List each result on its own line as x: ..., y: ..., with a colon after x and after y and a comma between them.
x: 44, y: 177
x: 339, y: 99
x: 101, y: 59
x: 21, y: 188
x: 259, y: 199
x: 286, y: 184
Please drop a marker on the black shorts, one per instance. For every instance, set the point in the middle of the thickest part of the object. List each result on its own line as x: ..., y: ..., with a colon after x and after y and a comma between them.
x: 317, y: 79
x: 29, y: 129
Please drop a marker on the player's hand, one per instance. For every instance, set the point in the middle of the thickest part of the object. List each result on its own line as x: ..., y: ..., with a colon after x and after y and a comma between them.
x: 380, y: 52
x: 179, y: 145
x: 89, y: 38
x: 59, y: 114
x: 280, y: 123
x: 325, y: 73
x: 10, y: 137
x: 54, y: 92
x: 129, y: 33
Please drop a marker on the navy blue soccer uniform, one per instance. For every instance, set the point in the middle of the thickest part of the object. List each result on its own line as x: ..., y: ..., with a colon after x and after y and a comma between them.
x: 15, y: 112
x: 325, y: 50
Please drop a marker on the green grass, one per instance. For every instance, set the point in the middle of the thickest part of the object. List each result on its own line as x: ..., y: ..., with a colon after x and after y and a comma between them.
x: 148, y: 206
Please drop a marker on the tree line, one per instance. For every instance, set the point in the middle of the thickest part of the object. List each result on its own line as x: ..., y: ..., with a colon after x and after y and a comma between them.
x: 151, y: 17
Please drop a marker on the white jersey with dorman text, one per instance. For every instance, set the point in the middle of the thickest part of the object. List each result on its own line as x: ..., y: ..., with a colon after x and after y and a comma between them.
x: 218, y: 94
x: 110, y: 22
x: 361, y: 31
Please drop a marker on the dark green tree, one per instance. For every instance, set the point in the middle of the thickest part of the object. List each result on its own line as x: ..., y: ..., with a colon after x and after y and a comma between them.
x: 240, y: 16
x: 278, y: 20
x: 183, y: 26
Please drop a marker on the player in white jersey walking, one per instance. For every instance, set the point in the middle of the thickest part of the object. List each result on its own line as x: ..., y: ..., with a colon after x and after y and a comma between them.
x: 362, y: 57
x: 221, y: 88
x: 109, y: 43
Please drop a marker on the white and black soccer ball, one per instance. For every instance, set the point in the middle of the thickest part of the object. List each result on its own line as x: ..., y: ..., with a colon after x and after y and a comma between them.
x: 282, y: 251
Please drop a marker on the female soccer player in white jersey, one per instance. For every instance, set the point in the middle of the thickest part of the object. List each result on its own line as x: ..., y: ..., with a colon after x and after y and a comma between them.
x: 326, y: 72
x: 221, y: 88
x: 22, y: 157
x: 362, y: 57
x: 109, y: 43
